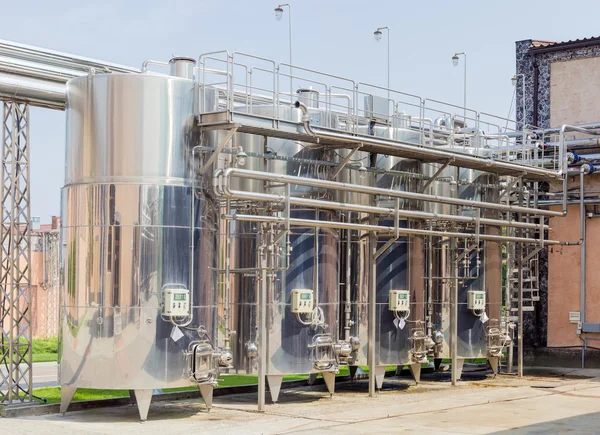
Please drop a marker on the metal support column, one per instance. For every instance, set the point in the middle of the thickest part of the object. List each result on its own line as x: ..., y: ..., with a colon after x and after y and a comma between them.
x: 520, y: 258
x: 454, y: 314
x: 372, y: 314
x: 262, y: 323
x: 520, y: 325
x: 15, y: 245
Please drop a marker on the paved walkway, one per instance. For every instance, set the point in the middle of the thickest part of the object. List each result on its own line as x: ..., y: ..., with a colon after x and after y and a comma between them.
x: 45, y: 374
x: 566, y: 400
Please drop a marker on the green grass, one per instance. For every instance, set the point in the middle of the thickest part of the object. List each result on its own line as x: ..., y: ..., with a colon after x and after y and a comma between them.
x: 52, y: 394
x: 44, y: 349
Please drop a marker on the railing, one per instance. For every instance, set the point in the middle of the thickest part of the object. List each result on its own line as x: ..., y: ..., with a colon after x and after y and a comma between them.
x: 259, y: 86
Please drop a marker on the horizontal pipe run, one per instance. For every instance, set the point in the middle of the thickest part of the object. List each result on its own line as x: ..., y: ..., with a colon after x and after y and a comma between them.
x: 389, y: 147
x: 382, y: 228
x: 550, y: 202
x: 335, y: 185
x: 341, y: 206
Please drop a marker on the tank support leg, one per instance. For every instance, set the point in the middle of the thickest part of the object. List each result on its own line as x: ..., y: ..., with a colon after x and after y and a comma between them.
x: 415, y: 371
x: 132, y: 397
x: 436, y: 364
x: 312, y: 378
x: 206, y: 391
x: 494, y: 361
x: 379, y: 375
x: 352, y: 371
x: 459, y: 367
x: 66, y: 395
x: 143, y: 399
x: 329, y: 378
x: 274, y: 386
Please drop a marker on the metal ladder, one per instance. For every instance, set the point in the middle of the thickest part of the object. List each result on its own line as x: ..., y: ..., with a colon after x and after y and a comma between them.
x: 531, y: 277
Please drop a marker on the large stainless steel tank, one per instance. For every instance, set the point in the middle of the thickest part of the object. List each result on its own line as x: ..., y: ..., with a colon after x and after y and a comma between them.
x: 128, y: 233
x: 480, y: 271
x: 312, y: 264
x: 400, y: 267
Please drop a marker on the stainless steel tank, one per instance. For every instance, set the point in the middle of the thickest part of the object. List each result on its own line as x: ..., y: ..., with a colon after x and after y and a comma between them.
x: 292, y: 347
x: 400, y: 266
x: 131, y: 229
x: 478, y: 269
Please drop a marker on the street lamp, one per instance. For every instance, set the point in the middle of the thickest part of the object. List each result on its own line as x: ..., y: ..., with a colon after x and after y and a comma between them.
x: 514, y: 81
x: 455, y: 63
x: 377, y: 33
x: 278, y: 15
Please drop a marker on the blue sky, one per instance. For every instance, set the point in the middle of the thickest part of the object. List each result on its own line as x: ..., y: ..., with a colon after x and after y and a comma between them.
x: 334, y: 36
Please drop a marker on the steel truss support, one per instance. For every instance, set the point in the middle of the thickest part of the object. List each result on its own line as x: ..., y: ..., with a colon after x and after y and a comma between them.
x: 15, y: 250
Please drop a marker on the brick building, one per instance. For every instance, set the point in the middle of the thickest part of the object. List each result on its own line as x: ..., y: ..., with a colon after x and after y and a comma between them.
x: 561, y: 85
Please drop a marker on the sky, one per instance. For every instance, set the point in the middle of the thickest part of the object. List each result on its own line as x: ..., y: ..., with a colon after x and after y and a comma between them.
x: 334, y: 36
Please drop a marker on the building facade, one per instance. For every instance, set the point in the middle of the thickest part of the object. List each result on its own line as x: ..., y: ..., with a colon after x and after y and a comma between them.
x: 560, y: 84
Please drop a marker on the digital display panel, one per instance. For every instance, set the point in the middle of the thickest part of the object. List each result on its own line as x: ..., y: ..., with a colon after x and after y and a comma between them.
x: 305, y: 296
x: 179, y: 296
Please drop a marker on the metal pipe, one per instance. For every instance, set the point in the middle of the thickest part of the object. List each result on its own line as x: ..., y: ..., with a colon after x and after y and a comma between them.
x: 36, y: 92
x: 335, y: 185
x: 383, y: 229
x: 342, y: 206
x: 454, y: 316
x: 430, y: 284
x: 56, y: 58
x: 262, y: 323
x: 372, y: 309
x: 347, y: 289
x: 393, y: 148
x: 582, y: 248
x: 520, y: 301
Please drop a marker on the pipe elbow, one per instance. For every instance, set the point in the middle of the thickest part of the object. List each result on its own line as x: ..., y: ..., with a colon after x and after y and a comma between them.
x: 305, y: 118
x: 302, y: 107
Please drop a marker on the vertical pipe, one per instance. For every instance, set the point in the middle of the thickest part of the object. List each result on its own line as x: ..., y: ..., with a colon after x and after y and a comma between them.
x: 582, y: 247
x: 290, y: 27
x: 454, y: 312
x: 262, y: 323
x: 388, y: 65
x: 347, y: 306
x: 430, y: 283
x: 508, y: 302
x: 520, y: 326
x: 316, y: 263
x: 519, y: 257
x: 227, y: 276
x: 465, y: 88
x: 372, y: 310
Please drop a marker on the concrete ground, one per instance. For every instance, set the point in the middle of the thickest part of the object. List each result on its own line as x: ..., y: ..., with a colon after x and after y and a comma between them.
x: 45, y: 374
x: 544, y: 401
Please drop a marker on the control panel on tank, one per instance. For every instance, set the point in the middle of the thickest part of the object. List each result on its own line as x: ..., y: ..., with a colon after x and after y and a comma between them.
x: 399, y: 300
x: 476, y: 300
x: 302, y: 301
x: 176, y: 302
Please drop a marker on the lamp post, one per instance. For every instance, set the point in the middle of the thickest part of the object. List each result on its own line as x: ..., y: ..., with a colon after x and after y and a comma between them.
x: 455, y: 63
x: 377, y: 33
x: 514, y: 80
x: 278, y: 15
